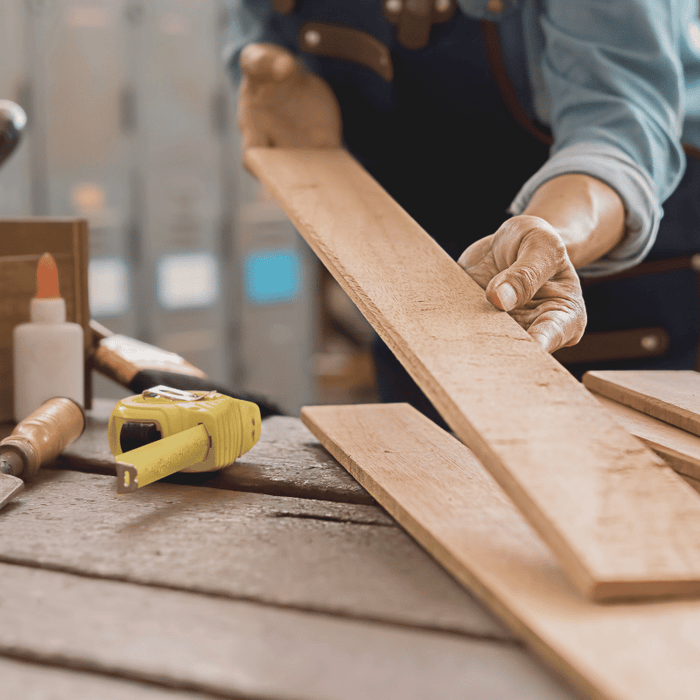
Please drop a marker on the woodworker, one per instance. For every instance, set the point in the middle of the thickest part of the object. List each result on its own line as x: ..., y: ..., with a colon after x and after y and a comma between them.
x: 535, y: 140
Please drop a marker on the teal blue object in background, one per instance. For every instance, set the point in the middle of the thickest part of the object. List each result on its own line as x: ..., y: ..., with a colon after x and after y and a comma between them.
x: 272, y: 275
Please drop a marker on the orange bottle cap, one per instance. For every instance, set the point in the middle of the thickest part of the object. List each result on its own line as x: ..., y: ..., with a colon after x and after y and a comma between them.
x: 47, y: 278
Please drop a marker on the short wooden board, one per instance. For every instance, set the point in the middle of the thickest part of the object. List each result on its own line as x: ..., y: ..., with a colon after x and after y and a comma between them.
x: 670, y: 395
x: 621, y: 523
x: 436, y: 488
x: 678, y: 448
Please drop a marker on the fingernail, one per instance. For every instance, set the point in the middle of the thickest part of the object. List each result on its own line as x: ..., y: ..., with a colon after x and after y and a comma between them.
x: 506, y: 296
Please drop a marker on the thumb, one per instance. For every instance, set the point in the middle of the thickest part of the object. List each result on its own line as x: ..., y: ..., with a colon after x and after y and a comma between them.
x: 540, y: 257
x: 267, y: 62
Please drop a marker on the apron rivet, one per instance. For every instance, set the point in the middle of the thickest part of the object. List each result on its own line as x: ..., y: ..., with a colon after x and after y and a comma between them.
x: 650, y: 342
x: 312, y: 37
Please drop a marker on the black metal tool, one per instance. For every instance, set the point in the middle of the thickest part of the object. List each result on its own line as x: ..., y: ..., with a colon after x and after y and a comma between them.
x: 13, y: 119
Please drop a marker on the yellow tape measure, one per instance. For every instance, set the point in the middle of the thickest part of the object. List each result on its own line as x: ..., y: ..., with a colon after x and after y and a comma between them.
x: 166, y: 430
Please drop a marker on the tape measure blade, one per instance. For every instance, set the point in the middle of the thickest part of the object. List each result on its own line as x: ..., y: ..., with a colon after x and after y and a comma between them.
x: 168, y: 455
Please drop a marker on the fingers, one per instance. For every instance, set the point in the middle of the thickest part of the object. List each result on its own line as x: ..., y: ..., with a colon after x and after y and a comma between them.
x: 559, y: 327
x: 540, y: 256
x: 267, y: 63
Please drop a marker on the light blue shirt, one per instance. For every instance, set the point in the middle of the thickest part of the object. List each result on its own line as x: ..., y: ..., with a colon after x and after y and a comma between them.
x: 618, y: 82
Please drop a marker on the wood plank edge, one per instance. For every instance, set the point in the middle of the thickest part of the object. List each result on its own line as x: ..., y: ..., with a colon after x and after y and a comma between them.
x: 656, y: 408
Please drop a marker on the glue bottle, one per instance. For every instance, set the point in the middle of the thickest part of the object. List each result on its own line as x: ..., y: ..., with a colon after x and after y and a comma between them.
x: 47, y: 351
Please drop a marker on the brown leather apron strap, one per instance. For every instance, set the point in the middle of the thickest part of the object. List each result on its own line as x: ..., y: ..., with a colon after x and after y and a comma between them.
x: 414, y: 19
x: 610, y: 346
x: 636, y: 343
x: 284, y: 6
x: 332, y: 41
x: 651, y: 267
x: 494, y: 52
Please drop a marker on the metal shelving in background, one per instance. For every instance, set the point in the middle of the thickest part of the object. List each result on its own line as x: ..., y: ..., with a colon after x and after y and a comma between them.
x: 130, y: 126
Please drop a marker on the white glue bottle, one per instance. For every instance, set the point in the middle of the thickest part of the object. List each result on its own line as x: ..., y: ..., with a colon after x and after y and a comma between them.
x: 47, y: 351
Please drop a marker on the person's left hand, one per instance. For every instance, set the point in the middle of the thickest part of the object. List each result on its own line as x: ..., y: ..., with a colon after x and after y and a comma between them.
x: 525, y: 270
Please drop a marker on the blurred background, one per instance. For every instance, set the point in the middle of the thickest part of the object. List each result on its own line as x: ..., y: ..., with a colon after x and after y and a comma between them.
x: 131, y: 125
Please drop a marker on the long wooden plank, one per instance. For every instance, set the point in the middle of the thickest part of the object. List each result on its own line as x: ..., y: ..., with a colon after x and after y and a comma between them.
x: 678, y: 448
x: 235, y: 649
x: 607, y: 506
x: 337, y: 558
x: 669, y: 395
x: 436, y: 488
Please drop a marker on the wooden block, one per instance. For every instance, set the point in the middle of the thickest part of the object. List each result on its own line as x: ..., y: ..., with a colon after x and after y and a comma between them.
x: 336, y: 558
x: 670, y: 395
x: 238, y: 649
x: 678, y: 448
x: 606, y: 505
x: 436, y: 489
x: 22, y: 243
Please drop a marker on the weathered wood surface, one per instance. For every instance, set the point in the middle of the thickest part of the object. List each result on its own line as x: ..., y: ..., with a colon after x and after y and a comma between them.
x: 670, y: 395
x: 21, y: 680
x: 342, y: 558
x: 232, y: 648
x: 287, y: 461
x: 436, y: 488
x: 620, y: 522
x: 679, y: 448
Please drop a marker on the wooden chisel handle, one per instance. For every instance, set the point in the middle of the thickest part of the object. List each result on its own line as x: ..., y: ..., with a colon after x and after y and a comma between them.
x: 43, y: 435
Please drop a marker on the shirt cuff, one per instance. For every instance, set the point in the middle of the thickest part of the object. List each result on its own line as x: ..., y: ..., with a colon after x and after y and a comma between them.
x: 635, y: 187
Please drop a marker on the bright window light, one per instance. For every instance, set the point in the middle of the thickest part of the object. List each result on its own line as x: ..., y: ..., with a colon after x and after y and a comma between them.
x: 108, y: 284
x: 272, y: 275
x: 187, y: 280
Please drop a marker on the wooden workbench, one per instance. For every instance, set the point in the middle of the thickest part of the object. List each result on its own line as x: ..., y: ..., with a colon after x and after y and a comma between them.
x: 276, y: 578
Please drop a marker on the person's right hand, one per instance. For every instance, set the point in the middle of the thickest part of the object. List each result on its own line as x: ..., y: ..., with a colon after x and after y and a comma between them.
x: 280, y: 103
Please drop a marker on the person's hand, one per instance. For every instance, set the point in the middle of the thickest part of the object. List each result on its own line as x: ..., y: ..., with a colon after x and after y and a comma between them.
x: 281, y: 104
x: 525, y: 270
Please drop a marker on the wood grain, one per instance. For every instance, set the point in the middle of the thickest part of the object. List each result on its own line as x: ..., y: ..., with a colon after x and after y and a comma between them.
x: 621, y: 523
x: 669, y: 395
x: 678, y: 448
x: 243, y: 650
x: 31, y: 681
x: 22, y: 242
x: 336, y: 558
x: 436, y: 488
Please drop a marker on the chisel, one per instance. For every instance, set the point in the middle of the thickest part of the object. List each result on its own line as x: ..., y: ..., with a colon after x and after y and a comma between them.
x: 37, y: 440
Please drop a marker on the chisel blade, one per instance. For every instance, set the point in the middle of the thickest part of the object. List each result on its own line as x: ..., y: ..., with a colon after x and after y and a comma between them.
x: 10, y: 486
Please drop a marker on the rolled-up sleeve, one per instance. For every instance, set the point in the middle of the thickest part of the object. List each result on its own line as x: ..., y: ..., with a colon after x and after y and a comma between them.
x: 251, y: 20
x: 615, y: 102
